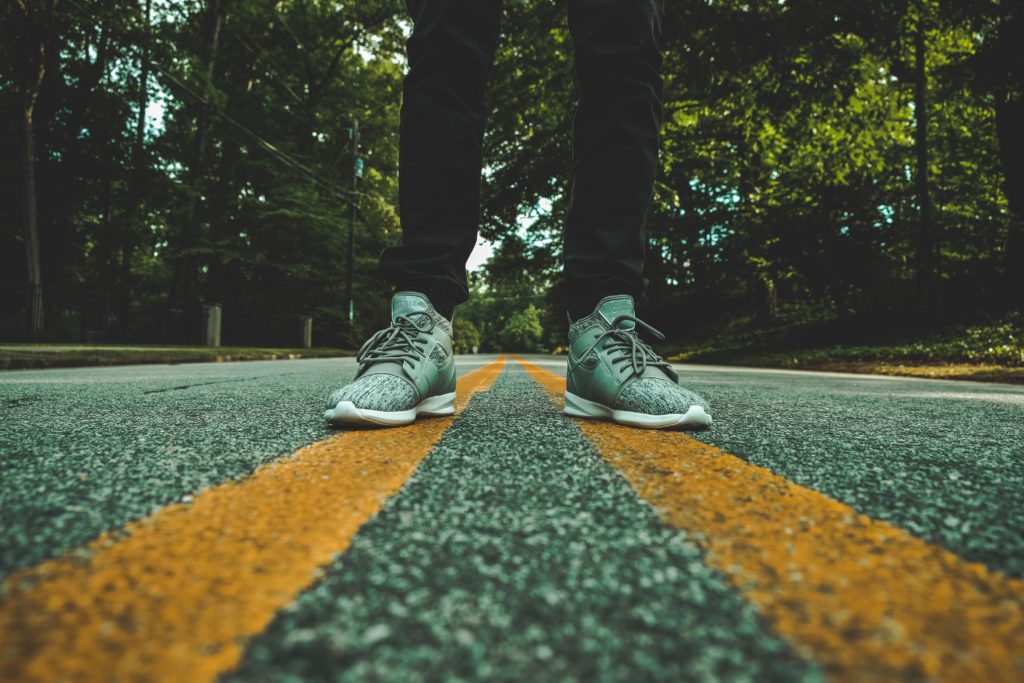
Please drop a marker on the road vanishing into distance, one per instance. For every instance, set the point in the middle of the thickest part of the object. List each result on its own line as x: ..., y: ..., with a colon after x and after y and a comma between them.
x: 201, y: 522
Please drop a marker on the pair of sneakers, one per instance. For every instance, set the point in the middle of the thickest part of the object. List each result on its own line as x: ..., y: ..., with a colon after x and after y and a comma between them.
x: 408, y: 370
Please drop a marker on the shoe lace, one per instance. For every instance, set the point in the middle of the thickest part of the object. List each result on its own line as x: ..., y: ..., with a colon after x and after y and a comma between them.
x: 625, y: 345
x: 399, y: 342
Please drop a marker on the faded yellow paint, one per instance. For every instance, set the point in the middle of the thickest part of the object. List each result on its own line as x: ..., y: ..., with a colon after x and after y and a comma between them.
x: 864, y: 598
x: 175, y: 596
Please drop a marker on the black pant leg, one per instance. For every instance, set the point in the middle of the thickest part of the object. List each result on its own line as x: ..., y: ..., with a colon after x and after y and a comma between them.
x: 441, y: 130
x: 615, y: 146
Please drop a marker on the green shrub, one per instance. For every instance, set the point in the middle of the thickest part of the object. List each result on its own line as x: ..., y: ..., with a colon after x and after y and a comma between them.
x: 467, y: 336
x: 522, y: 332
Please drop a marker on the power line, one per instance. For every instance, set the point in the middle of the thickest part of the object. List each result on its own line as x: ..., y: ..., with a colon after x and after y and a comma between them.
x: 276, y: 78
x: 287, y: 27
x: 269, y: 147
x: 293, y: 164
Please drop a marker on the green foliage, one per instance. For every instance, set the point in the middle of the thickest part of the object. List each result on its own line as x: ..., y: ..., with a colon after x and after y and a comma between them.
x: 467, y: 336
x: 243, y: 193
x: 23, y: 356
x: 999, y: 343
x: 787, y: 157
x: 522, y: 332
x: 788, y: 152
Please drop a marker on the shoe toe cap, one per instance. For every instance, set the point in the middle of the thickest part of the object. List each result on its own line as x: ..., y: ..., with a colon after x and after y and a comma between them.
x: 654, y: 396
x: 381, y: 392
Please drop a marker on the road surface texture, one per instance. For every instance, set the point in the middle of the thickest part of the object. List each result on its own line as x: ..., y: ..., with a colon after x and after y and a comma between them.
x: 200, y: 522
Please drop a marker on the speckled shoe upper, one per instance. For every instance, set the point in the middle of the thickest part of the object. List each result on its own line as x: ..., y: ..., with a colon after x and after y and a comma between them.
x: 376, y: 392
x: 656, y: 396
x: 609, y: 364
x: 404, y: 364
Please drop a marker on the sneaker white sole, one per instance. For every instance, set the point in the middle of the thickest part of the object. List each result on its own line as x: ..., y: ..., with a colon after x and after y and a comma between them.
x: 346, y: 412
x: 693, y: 419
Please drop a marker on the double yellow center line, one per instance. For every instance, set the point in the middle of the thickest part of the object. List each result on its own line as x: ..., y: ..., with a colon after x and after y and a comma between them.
x: 174, y: 597
x: 865, y: 599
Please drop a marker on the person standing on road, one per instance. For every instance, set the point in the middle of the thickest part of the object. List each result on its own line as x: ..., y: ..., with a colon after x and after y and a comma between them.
x: 408, y: 369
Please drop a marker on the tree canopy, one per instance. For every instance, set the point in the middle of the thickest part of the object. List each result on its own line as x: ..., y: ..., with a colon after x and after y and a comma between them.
x: 833, y: 157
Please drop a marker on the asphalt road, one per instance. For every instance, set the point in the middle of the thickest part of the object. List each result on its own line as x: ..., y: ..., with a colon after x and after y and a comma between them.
x: 515, y: 551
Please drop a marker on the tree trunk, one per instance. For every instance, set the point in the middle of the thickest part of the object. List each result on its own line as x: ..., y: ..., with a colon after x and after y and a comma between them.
x: 223, y: 232
x: 1009, y: 114
x: 138, y: 183
x: 927, y: 251
x: 768, y: 299
x: 31, y: 228
x: 187, y: 271
x: 34, y: 32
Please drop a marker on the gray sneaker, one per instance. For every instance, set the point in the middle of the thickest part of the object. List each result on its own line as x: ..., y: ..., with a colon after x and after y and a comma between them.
x: 613, y: 375
x: 404, y: 371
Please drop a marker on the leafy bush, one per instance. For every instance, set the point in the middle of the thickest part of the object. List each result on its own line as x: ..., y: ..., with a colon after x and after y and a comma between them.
x: 523, y: 331
x: 1000, y: 343
x: 467, y: 336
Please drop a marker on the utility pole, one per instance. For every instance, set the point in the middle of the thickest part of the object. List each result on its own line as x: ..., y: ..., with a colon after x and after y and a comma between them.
x: 927, y: 245
x: 357, y: 172
x: 137, y: 184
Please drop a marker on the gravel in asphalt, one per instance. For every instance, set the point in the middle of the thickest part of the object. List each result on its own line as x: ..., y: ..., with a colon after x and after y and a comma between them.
x: 513, y: 505
x: 942, y: 459
x: 516, y: 553
x: 87, y: 450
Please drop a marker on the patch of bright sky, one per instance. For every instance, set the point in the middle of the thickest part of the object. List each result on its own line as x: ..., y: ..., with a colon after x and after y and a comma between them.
x: 484, y: 248
x: 156, y: 111
x: 164, y: 11
x: 481, y: 252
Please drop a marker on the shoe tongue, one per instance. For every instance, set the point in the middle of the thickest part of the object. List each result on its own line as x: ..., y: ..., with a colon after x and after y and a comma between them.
x: 612, y: 307
x: 404, y: 303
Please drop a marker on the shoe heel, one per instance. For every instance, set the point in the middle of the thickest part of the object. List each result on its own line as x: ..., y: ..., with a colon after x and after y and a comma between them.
x: 576, y: 406
x: 571, y: 407
x: 437, y: 406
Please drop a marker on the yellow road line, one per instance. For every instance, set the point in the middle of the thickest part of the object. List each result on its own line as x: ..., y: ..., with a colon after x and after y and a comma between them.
x: 866, y: 599
x: 174, y: 597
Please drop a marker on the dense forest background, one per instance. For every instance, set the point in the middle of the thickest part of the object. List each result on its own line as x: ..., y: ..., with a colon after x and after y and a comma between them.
x: 835, y: 167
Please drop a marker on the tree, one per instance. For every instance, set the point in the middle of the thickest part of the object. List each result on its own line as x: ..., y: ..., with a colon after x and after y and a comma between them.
x: 523, y: 331
x: 995, y: 70
x: 185, y: 272
x: 467, y: 336
x: 927, y: 249
x: 33, y: 24
x: 806, y: 148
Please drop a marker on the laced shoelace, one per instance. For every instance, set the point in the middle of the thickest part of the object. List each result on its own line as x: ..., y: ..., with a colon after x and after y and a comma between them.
x: 397, y: 343
x: 626, y: 346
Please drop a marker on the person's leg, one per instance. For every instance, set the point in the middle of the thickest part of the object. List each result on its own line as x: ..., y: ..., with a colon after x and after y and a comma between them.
x: 612, y: 373
x: 615, y: 147
x: 441, y: 130
x: 407, y: 370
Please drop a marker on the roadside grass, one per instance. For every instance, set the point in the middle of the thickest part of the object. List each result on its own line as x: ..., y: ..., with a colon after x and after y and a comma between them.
x: 24, y: 356
x: 987, y: 352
